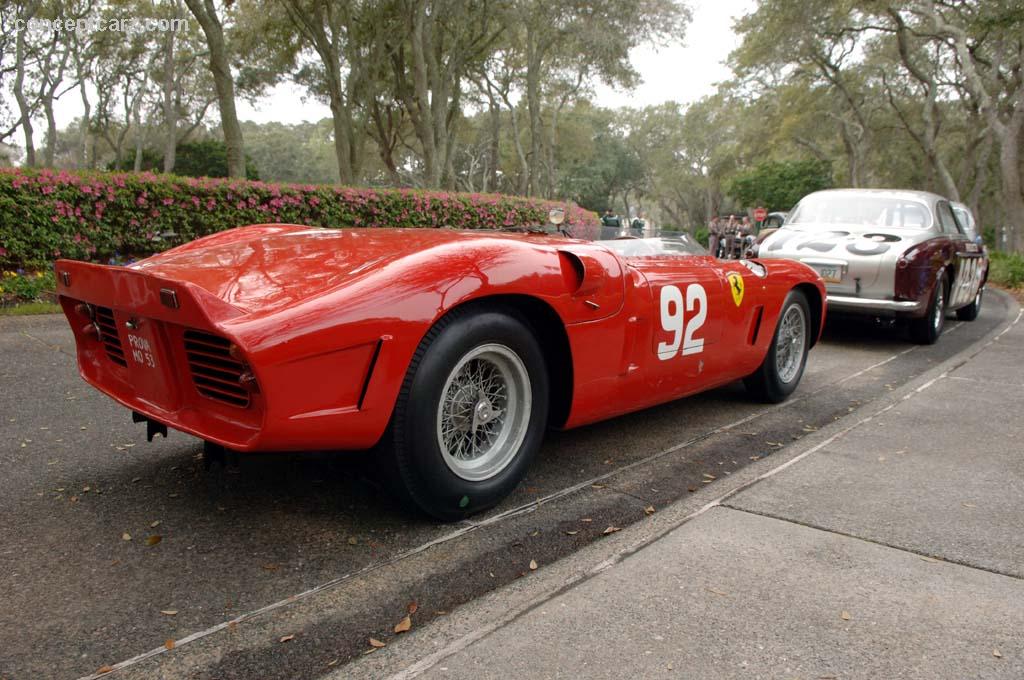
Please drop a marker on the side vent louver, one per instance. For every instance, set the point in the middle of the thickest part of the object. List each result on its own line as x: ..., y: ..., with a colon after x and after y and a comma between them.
x: 109, y: 336
x: 215, y: 373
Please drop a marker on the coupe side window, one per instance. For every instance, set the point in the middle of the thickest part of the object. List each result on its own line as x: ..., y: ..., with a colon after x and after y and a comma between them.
x: 947, y: 220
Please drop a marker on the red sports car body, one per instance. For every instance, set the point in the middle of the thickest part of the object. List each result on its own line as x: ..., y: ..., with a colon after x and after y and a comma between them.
x: 281, y: 337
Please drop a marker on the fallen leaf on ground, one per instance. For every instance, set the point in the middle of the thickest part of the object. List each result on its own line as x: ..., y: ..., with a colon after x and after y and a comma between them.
x: 969, y: 505
x: 597, y: 486
x: 271, y: 567
x: 927, y: 559
x: 779, y: 444
x: 718, y: 592
x: 845, y: 616
x: 995, y: 653
x: 287, y: 638
x: 533, y: 565
x: 126, y: 536
x: 154, y: 525
x: 571, y: 533
x: 104, y: 669
x: 154, y: 539
x: 413, y: 606
x: 709, y: 476
x: 611, y: 530
x: 374, y: 642
x: 649, y: 510
x: 404, y: 625
x: 169, y: 612
x: 353, y: 541
x: 169, y: 643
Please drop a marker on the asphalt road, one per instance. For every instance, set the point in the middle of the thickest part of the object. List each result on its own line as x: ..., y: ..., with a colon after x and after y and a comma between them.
x: 309, y: 546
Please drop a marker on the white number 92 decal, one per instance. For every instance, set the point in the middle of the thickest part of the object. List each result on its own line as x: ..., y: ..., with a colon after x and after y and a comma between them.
x: 673, y: 320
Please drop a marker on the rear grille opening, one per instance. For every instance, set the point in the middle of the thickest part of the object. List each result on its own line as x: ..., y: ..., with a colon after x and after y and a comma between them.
x: 215, y: 373
x: 109, y: 336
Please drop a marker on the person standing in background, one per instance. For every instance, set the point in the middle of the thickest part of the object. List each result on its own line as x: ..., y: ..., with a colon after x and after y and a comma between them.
x: 714, y: 236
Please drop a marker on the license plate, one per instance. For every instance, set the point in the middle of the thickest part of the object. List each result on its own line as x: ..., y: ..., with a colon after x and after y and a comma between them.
x: 830, y: 274
x: 141, y: 351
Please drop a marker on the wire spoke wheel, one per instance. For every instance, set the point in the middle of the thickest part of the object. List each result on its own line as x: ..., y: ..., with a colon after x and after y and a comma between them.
x: 939, y: 315
x: 484, y: 412
x: 791, y: 343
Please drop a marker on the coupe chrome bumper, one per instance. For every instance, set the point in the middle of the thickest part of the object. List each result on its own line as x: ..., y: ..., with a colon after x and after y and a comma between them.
x: 868, y: 305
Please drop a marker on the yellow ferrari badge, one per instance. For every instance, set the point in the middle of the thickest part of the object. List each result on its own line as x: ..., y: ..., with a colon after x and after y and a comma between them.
x: 736, y: 286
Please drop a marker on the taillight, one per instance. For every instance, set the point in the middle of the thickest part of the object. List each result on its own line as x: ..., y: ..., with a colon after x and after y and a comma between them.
x: 85, y: 310
x: 906, y: 258
x: 92, y: 330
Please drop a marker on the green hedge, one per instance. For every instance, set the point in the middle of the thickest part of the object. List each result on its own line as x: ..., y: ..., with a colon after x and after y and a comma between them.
x: 100, y: 215
x: 1006, y: 269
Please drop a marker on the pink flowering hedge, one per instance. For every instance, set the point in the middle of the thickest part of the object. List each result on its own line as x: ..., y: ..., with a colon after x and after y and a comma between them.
x: 47, y: 214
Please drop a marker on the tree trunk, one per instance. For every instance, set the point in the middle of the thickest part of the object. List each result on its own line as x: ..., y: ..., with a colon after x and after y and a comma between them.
x: 494, y: 148
x: 51, y: 132
x: 422, y: 112
x: 89, y: 161
x: 206, y: 14
x: 19, y: 95
x: 1013, y: 197
x: 342, y: 149
x: 169, y: 108
x: 534, y: 58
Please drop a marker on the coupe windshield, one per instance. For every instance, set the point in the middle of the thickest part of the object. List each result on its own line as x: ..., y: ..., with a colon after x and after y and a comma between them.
x: 878, y: 211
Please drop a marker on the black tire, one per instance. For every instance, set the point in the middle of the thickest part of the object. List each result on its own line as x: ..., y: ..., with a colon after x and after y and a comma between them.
x: 767, y: 383
x: 422, y: 474
x: 927, y: 329
x: 971, y: 311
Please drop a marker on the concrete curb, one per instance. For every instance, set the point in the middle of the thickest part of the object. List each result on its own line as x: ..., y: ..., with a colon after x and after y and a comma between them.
x: 443, y: 637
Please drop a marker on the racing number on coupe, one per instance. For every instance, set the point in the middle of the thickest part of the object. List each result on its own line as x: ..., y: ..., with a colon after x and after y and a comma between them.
x: 447, y: 352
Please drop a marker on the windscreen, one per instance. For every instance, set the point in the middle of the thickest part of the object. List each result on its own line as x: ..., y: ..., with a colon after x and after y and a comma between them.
x: 855, y: 208
x: 678, y: 244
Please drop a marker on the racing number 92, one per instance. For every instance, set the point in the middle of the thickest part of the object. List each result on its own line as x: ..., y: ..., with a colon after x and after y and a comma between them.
x: 674, y: 320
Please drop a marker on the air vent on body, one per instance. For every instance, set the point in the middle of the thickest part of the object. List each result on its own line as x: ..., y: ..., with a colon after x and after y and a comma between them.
x: 215, y: 373
x: 109, y: 336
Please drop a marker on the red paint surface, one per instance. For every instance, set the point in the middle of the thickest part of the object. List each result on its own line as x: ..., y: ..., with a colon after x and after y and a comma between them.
x: 327, y: 321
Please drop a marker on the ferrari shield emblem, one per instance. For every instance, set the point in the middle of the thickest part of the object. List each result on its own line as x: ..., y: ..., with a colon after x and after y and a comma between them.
x: 736, y: 287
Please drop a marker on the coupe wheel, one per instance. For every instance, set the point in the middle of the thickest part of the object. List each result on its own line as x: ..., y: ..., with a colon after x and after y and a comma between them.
x: 471, y: 414
x: 971, y: 311
x: 783, y: 366
x: 927, y: 329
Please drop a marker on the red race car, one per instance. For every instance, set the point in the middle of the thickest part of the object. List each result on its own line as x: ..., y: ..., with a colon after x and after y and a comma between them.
x: 449, y: 351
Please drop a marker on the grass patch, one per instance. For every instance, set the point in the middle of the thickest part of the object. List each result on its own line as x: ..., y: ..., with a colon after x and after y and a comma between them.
x: 30, y: 308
